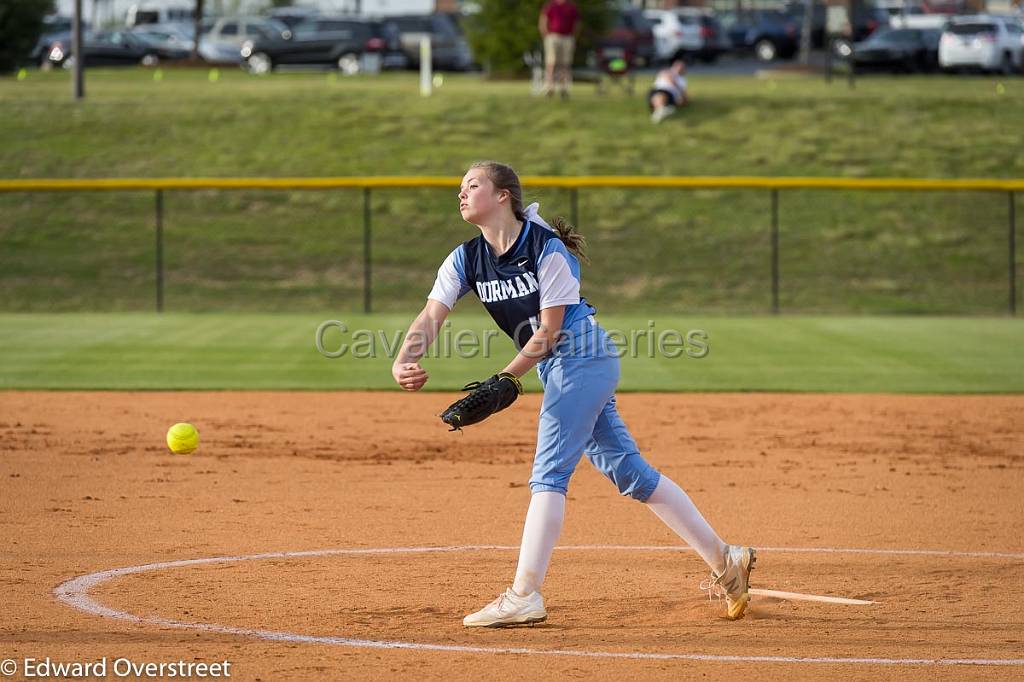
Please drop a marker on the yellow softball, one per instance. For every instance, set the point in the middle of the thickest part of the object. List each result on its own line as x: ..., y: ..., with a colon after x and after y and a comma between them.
x: 182, y: 438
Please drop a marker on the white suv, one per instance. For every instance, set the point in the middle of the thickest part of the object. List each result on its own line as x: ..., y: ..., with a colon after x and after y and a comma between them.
x: 686, y: 31
x: 982, y: 41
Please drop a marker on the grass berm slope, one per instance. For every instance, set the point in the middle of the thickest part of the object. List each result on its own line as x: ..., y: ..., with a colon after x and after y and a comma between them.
x: 653, y: 250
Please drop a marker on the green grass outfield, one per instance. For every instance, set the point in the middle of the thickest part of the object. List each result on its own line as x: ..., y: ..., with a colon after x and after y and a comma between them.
x: 661, y: 251
x: 248, y: 352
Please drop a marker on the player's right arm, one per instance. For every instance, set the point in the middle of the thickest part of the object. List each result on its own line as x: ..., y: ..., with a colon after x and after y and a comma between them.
x: 451, y: 285
x: 406, y: 369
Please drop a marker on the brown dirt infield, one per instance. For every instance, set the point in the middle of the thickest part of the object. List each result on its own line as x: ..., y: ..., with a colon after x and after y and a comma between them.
x: 87, y: 485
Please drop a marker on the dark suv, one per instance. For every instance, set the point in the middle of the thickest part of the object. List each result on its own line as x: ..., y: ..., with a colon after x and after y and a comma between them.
x: 630, y: 37
x: 768, y: 33
x: 113, y: 48
x: 448, y: 47
x: 56, y: 29
x: 866, y: 19
x: 344, y: 43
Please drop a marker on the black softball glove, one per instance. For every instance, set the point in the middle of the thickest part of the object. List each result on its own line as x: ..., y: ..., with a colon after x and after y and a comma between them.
x: 486, y: 398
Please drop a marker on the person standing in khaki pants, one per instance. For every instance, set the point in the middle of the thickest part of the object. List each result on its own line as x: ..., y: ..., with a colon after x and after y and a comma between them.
x: 557, y: 24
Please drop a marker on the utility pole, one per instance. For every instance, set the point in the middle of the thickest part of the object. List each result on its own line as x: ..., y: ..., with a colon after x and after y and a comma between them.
x: 78, y: 52
x: 852, y: 24
x: 805, y: 33
x: 197, y: 24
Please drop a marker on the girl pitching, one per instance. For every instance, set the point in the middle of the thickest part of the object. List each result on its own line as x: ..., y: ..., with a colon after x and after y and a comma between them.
x: 527, y: 275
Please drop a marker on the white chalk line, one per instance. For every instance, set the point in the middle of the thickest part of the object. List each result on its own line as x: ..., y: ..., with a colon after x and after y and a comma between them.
x: 75, y: 593
x: 803, y: 596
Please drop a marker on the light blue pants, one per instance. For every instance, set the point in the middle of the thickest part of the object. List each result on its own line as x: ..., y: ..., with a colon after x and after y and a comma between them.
x: 579, y: 416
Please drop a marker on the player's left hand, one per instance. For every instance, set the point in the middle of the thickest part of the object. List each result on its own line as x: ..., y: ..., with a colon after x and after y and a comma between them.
x: 486, y: 398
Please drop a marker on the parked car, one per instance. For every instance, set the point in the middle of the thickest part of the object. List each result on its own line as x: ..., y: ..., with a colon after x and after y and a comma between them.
x: 222, y: 42
x: 165, y: 37
x: 1016, y: 23
x: 449, y: 49
x: 715, y: 41
x: 684, y: 33
x: 770, y: 34
x: 936, y: 22
x: 899, y: 49
x: 985, y: 42
x: 58, y: 23
x: 293, y: 16
x: 867, y: 18
x: 896, y: 8
x: 349, y: 44
x: 631, y: 37
x: 56, y: 29
x: 112, y: 48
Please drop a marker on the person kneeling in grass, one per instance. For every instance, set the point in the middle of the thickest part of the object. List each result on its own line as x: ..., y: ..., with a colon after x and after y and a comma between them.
x: 668, y: 92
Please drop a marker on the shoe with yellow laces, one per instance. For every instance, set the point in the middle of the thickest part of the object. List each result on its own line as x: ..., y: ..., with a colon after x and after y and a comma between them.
x: 734, y: 581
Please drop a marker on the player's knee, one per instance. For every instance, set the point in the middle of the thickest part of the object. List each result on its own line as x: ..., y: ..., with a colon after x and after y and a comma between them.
x: 635, y: 478
x: 550, y: 484
x: 547, y: 488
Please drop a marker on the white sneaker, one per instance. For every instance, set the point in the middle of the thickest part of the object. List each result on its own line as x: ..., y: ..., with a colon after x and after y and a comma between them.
x: 661, y: 114
x: 509, y: 609
x: 734, y: 581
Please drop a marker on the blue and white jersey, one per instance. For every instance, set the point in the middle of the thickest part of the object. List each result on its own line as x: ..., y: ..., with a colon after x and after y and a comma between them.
x: 537, y: 272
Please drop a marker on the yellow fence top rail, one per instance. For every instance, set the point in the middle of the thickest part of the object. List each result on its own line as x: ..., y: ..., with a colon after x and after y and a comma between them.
x: 571, y: 182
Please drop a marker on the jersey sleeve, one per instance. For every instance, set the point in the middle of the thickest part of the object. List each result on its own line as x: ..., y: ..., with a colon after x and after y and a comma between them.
x: 558, y: 275
x: 451, y: 283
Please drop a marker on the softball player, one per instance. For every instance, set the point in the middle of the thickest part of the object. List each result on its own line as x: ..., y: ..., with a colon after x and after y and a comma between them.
x: 527, y: 275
